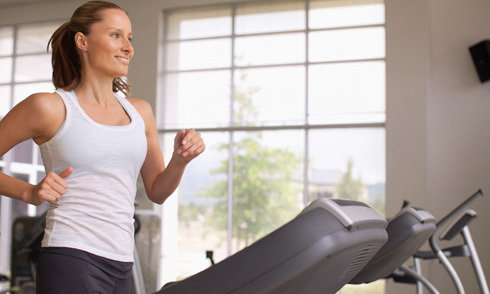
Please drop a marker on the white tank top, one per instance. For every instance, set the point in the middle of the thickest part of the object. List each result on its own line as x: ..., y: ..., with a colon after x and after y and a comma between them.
x: 96, y: 212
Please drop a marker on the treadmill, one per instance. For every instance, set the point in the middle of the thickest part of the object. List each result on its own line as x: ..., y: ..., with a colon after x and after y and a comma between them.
x: 319, y: 251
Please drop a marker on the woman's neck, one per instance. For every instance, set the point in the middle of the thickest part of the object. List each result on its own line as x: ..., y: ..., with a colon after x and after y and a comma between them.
x: 95, y: 90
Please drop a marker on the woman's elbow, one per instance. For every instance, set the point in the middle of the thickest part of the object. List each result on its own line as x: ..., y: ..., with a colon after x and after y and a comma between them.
x: 160, y: 199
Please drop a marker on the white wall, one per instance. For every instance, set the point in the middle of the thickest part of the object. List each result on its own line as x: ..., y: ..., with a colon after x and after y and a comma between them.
x: 437, y: 138
x: 459, y: 119
x: 438, y: 117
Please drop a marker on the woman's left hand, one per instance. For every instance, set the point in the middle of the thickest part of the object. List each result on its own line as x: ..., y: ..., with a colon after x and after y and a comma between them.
x: 188, y: 144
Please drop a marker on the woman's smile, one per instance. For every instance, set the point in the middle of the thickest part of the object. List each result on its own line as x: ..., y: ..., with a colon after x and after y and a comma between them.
x: 123, y: 59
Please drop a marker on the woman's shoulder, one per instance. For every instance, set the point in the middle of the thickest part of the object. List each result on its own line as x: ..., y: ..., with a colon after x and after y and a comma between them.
x: 142, y: 106
x: 39, y: 115
x: 145, y: 111
x: 48, y: 104
x: 44, y: 99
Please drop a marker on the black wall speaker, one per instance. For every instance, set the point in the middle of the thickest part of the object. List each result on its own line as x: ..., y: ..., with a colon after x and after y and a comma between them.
x: 481, y: 58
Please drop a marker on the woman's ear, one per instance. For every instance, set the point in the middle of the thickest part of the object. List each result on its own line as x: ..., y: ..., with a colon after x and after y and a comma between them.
x: 81, y: 41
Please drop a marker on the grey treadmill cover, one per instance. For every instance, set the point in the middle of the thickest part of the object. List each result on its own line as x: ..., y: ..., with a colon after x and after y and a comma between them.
x: 313, y: 253
x: 407, y: 232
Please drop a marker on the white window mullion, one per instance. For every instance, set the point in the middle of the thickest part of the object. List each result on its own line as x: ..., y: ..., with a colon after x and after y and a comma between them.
x: 231, y: 138
x: 306, y: 150
x: 6, y: 211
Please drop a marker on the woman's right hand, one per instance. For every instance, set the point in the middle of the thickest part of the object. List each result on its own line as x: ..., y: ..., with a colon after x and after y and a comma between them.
x: 50, y: 189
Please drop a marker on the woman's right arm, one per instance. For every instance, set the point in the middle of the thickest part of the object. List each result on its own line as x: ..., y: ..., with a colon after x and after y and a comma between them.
x: 37, y: 117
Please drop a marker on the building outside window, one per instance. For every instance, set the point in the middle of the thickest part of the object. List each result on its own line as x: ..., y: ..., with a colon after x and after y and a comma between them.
x: 290, y: 99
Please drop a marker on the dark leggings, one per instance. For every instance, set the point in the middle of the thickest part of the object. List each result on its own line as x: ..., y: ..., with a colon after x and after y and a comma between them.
x: 71, y: 271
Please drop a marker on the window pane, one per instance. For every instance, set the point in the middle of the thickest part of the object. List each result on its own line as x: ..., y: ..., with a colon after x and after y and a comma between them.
x: 202, y: 23
x: 270, y: 49
x: 148, y: 245
x: 269, y: 16
x: 202, y: 219
x: 6, y: 40
x: 142, y: 202
x: 40, y: 176
x: 6, y: 70
x: 23, y: 152
x: 263, y: 98
x: 19, y: 207
x: 33, y: 68
x: 39, y: 157
x: 4, y: 100
x: 199, y: 54
x: 267, y: 74
x: 342, y: 13
x: 348, y: 163
x: 347, y: 93
x: 23, y: 91
x: 200, y: 99
x: 376, y: 287
x: 267, y: 183
x: 34, y: 38
x: 347, y: 44
x: 42, y: 208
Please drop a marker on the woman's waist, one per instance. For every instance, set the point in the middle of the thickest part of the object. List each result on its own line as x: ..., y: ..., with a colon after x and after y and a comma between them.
x: 90, y: 217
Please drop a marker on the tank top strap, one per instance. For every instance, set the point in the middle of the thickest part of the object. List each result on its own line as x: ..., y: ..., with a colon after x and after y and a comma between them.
x: 67, y: 99
x: 130, y: 108
x: 72, y: 111
x: 69, y: 110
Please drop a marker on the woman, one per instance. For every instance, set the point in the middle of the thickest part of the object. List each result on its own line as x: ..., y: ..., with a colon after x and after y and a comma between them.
x: 94, y: 144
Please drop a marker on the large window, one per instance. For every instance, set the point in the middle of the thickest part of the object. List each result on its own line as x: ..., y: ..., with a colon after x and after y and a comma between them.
x: 290, y: 99
x: 25, y: 68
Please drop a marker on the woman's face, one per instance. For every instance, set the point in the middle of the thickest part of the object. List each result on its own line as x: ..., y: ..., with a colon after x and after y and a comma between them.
x: 108, y: 46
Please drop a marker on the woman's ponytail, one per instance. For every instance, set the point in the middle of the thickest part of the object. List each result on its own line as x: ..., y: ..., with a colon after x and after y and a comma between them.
x: 65, y: 59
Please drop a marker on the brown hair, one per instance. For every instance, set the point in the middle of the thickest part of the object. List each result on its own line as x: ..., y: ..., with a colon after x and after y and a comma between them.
x: 67, y: 66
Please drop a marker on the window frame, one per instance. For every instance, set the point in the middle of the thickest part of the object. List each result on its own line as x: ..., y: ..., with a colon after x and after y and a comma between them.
x: 9, y: 166
x: 231, y: 129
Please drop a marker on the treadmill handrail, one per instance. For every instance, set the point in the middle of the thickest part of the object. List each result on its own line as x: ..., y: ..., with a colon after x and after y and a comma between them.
x: 458, y: 208
x: 437, y: 250
x: 455, y: 228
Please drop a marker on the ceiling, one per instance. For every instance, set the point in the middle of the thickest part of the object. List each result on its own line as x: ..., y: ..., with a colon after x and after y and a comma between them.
x: 5, y: 3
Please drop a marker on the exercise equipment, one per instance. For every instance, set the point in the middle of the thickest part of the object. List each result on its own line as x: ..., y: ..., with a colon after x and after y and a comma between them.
x: 330, y: 243
x: 27, y: 234
x: 3, y: 284
x: 319, y: 251
x: 138, y: 282
x: 407, y: 231
x: 467, y: 249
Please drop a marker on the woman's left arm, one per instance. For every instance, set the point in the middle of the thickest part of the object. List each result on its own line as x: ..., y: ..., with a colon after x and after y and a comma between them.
x: 160, y: 181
